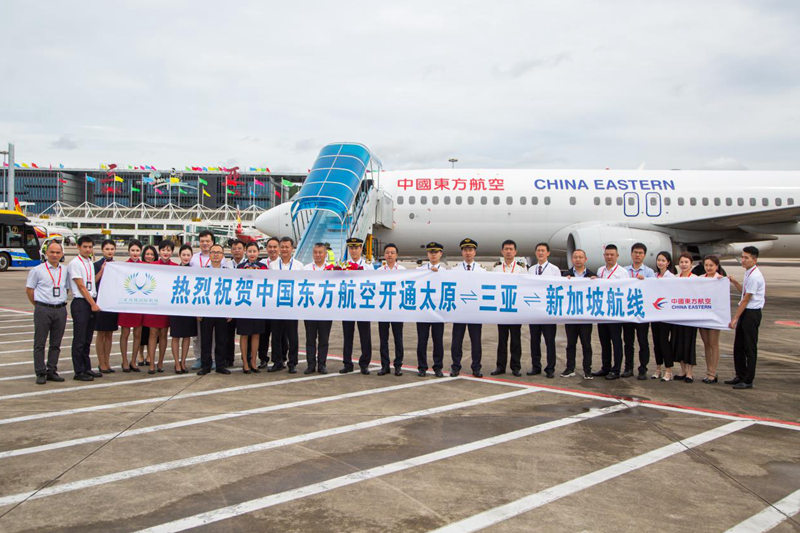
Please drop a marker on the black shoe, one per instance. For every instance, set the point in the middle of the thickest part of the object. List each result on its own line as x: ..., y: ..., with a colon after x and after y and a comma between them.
x: 134, y: 368
x: 109, y: 371
x: 53, y: 376
x: 255, y: 370
x: 627, y: 374
x: 477, y: 374
x: 276, y: 367
x: 41, y: 379
x: 497, y: 372
x: 533, y: 373
x: 398, y: 372
x: 82, y: 377
x: 676, y: 377
x: 422, y: 373
x: 346, y: 370
x: 600, y: 373
x: 734, y: 381
x: 263, y: 364
x: 126, y: 369
x: 516, y: 373
x: 203, y: 372
x: 292, y: 369
x: 743, y: 385
x: 94, y: 374
x: 642, y: 376
x: 710, y: 380
x: 612, y: 375
x: 365, y: 370
x: 309, y: 370
x: 383, y: 371
x: 322, y: 369
x: 223, y: 371
x: 454, y: 373
x: 245, y: 371
x: 438, y: 373
x: 550, y: 374
x: 687, y: 379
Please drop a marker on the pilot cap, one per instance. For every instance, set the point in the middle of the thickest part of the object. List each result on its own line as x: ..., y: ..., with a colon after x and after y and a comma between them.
x: 434, y: 247
x: 468, y: 243
x: 354, y: 241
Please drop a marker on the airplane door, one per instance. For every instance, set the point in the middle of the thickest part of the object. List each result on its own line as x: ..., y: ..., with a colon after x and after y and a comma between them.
x: 652, y: 204
x: 630, y: 202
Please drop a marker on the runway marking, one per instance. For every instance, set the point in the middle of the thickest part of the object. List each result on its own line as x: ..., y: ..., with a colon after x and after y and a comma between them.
x: 211, y: 418
x: 771, y: 516
x: 231, y: 511
x: 16, y: 311
x: 91, y: 387
x: 261, y: 446
x: 541, y: 498
x: 27, y: 323
x: 791, y: 323
x: 653, y: 404
x: 30, y: 341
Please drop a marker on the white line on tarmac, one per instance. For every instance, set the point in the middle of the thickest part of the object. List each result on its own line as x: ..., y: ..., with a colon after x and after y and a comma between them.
x: 16, y: 311
x: 86, y: 388
x: 538, y: 499
x: 231, y: 511
x: 771, y: 516
x: 30, y: 340
x: 262, y: 446
x: 206, y: 419
x: 28, y: 323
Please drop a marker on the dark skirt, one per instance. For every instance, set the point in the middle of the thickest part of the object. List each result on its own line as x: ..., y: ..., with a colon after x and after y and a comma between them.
x: 145, y: 336
x: 106, y: 321
x: 181, y: 327
x: 684, y: 344
x: 250, y: 326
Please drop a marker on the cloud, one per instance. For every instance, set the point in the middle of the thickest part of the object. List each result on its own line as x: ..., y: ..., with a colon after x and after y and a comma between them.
x: 723, y: 163
x: 64, y: 143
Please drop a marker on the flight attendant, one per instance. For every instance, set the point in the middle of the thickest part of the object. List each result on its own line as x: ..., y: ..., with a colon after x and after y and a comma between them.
x: 684, y: 338
x: 158, y: 324
x: 662, y: 331
x: 434, y: 330
x: 469, y: 249
x: 390, y: 264
x: 105, y: 323
x: 710, y: 336
x: 131, y: 321
x: 250, y: 329
x: 182, y: 328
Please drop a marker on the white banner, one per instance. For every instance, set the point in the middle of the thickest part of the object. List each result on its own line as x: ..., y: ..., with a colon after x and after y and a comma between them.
x: 410, y: 296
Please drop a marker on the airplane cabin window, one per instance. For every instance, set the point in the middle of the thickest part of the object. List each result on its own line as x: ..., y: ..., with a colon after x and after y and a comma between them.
x: 571, y: 200
x: 484, y: 200
x: 523, y: 200
x: 608, y: 200
x: 752, y: 201
x: 765, y: 202
x: 423, y: 200
x: 534, y: 200
x: 435, y: 200
x: 496, y: 200
x: 778, y: 202
x: 717, y: 201
x: 459, y: 200
x: 740, y: 201
x: 667, y: 200
x: 546, y: 200
x: 446, y: 200
x: 680, y: 200
x: 399, y: 200
x: 509, y: 200
x: 411, y: 200
x: 596, y: 200
x: 652, y: 200
x: 631, y: 200
x: 729, y: 201
x: 692, y: 201
x: 790, y: 201
x: 619, y: 200
x: 705, y: 201
x: 471, y: 200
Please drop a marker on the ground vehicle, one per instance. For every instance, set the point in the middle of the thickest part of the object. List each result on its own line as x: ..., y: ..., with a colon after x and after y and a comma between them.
x: 19, y: 245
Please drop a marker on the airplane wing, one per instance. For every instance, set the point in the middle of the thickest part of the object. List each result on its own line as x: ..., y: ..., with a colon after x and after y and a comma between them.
x: 727, y: 222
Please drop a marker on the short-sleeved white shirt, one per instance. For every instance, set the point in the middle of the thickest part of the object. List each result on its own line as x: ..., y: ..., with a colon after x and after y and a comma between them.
x: 199, y: 260
x: 80, y: 268
x: 548, y: 270
x: 42, y: 283
x: 472, y: 267
x: 513, y: 269
x: 313, y: 266
x: 293, y: 264
x: 615, y: 272
x: 754, y: 284
x: 427, y: 266
x: 397, y: 266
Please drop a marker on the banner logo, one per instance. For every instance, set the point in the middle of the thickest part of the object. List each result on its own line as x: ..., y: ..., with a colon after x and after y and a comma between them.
x: 143, y: 283
x: 660, y: 303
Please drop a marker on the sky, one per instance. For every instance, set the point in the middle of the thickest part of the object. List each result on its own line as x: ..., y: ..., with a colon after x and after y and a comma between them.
x: 501, y: 84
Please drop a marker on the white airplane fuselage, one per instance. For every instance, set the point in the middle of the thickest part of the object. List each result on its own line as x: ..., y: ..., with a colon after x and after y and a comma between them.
x: 670, y: 210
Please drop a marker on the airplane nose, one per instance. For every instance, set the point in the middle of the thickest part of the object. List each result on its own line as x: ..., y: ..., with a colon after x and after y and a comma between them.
x: 274, y: 221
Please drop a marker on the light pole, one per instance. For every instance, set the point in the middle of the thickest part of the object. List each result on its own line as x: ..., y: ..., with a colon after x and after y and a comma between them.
x: 10, y: 177
x: 453, y: 162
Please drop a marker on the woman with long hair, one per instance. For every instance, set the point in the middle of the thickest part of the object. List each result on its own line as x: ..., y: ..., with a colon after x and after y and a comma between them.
x: 158, y: 324
x: 684, y: 338
x: 131, y: 321
x: 711, y: 336
x: 662, y: 331
x: 182, y: 328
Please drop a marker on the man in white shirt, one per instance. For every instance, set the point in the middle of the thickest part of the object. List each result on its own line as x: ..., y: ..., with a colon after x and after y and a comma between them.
x: 318, y: 332
x: 631, y: 330
x: 610, y: 334
x: 469, y: 249
x: 390, y: 254
x: 214, y: 330
x: 509, y: 265
x: 46, y: 288
x: 263, y: 341
x: 435, y: 330
x: 544, y: 269
x: 237, y: 254
x: 747, y: 320
x: 83, y: 309
x: 355, y: 247
x: 285, y: 331
x: 201, y: 259
x: 576, y: 331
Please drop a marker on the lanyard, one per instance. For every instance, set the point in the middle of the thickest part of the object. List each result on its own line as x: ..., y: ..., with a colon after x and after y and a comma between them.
x: 744, y: 281
x: 200, y: 257
x: 540, y: 268
x: 635, y: 273
x: 513, y: 266
x: 84, y: 268
x: 280, y: 264
x: 47, y: 267
x: 610, y: 273
x: 386, y: 267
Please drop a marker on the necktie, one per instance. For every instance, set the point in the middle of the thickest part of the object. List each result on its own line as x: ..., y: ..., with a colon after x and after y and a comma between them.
x: 540, y: 270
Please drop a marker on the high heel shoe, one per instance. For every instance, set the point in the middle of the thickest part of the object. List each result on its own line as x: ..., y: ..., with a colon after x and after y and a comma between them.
x: 126, y: 368
x: 134, y: 368
x: 688, y: 379
x: 245, y: 371
x: 656, y: 375
x: 667, y: 377
x: 710, y: 380
x: 679, y: 378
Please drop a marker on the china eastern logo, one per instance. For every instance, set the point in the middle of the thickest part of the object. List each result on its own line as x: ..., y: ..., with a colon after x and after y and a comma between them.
x: 139, y: 283
x: 660, y: 303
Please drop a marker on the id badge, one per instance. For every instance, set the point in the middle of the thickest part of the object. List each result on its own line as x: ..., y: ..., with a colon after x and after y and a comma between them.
x: 56, y: 292
x: 89, y: 286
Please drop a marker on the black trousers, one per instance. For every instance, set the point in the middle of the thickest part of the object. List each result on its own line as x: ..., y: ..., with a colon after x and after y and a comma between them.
x: 318, y: 332
x: 285, y: 342
x: 610, y: 340
x: 475, y: 343
x: 549, y: 333
x: 213, y: 330
x: 745, y: 345
x: 436, y: 331
x: 230, y: 346
x: 82, y: 333
x: 514, y: 331
x: 584, y: 332
x: 383, y: 335
x: 263, y: 342
x: 47, y: 322
x: 631, y: 332
x: 662, y: 343
x: 364, y: 335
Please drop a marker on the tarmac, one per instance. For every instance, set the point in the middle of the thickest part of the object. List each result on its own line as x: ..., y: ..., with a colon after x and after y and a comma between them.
x: 280, y: 452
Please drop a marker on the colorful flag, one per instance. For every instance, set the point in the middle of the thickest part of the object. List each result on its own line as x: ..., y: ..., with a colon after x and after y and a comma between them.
x: 60, y: 165
x: 90, y: 179
x: 231, y: 182
x: 174, y: 180
x: 205, y: 193
x: 134, y: 189
x: 278, y: 194
x: 253, y: 169
x: 119, y: 179
x: 286, y: 183
x: 229, y: 191
x: 112, y: 166
x: 182, y: 191
x: 266, y: 169
x: 201, y: 180
x: 103, y: 166
x: 159, y: 191
x: 17, y: 165
x: 186, y: 168
x: 25, y: 165
x: 148, y: 179
x: 130, y: 167
x: 258, y: 182
x: 205, y: 169
x: 62, y: 180
x: 34, y: 165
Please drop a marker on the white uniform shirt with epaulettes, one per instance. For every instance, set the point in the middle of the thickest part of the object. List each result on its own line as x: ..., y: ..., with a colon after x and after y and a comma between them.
x: 49, y: 284
x: 427, y: 266
x: 755, y: 285
x: 514, y: 268
x: 361, y: 262
x: 80, y: 268
x: 545, y: 270
x: 293, y: 264
x: 615, y: 272
x: 470, y: 267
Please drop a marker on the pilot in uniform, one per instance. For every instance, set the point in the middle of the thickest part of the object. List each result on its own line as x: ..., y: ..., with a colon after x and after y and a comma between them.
x: 468, y: 251
x: 356, y: 260
x: 433, y: 329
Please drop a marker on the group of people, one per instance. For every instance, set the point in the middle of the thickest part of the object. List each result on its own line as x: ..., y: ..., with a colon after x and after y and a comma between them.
x: 214, y: 338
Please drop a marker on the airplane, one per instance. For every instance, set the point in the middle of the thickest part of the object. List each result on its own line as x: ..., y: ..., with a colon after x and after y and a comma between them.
x: 249, y: 235
x: 701, y: 211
